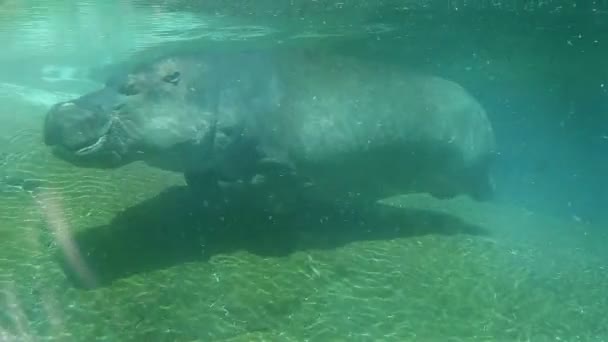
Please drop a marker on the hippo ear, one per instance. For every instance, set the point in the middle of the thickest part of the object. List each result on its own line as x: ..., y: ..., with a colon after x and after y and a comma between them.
x: 129, y: 89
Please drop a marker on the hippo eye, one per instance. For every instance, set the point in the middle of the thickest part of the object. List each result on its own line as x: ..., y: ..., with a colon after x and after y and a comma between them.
x: 172, y: 78
x: 128, y: 89
x: 120, y: 106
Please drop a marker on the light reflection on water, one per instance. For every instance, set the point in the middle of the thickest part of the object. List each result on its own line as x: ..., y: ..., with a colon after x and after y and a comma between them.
x: 47, y: 48
x: 80, y: 30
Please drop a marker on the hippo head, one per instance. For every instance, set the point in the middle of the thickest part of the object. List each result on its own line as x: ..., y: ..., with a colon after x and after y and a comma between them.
x: 153, y: 110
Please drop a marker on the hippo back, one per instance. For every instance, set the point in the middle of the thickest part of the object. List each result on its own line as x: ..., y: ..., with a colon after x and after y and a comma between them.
x: 360, y: 128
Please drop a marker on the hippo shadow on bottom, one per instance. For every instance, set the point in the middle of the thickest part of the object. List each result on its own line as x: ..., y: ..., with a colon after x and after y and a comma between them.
x: 173, y: 228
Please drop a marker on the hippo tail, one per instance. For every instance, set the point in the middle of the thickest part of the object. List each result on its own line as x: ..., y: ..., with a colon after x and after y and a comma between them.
x: 481, y: 183
x: 484, y: 189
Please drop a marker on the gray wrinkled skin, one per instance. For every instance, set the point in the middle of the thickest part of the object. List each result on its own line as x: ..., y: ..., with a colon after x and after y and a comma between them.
x: 328, y: 126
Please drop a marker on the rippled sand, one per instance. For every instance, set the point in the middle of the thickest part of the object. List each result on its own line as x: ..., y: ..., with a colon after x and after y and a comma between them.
x: 127, y: 255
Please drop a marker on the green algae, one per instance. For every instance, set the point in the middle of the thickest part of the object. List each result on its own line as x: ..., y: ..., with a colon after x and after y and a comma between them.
x: 419, y: 269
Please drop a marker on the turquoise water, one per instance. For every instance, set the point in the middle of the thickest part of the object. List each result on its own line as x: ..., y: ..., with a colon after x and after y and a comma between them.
x: 528, y: 266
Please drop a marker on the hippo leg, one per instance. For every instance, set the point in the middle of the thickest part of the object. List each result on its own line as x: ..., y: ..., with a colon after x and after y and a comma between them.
x: 214, y: 192
x: 205, y: 188
x: 475, y: 182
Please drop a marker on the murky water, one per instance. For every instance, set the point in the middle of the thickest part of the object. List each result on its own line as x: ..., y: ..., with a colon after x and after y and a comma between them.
x: 127, y: 255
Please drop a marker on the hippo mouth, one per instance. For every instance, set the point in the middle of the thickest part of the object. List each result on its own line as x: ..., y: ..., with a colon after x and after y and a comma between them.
x: 94, y: 145
x: 76, y: 131
x: 100, y: 151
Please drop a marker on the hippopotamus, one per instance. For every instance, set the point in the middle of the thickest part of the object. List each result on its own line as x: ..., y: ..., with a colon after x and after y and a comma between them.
x: 329, y: 126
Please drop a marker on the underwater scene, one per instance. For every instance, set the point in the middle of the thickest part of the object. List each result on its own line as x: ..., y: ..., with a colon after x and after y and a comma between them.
x: 303, y: 170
